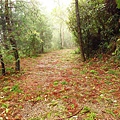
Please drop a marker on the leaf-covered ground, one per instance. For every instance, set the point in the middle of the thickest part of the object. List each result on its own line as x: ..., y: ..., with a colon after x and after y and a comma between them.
x: 58, y: 86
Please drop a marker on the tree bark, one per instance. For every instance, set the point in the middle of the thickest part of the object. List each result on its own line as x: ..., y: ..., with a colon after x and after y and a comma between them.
x: 79, y: 31
x: 3, y: 24
x: 11, y: 37
x: 2, y: 31
x: 42, y: 49
x: 2, y: 64
x: 43, y: 42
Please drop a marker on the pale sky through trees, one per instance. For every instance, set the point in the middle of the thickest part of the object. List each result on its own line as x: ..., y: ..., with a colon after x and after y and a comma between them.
x: 50, y: 4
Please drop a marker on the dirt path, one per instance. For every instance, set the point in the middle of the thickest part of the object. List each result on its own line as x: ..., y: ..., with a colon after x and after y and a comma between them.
x: 57, y: 86
x: 49, y: 72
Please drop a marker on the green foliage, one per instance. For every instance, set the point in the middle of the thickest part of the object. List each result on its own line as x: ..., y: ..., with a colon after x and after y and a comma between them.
x: 36, y: 32
x: 77, y: 51
x: 5, y: 105
x: 64, y: 83
x: 9, y: 58
x: 7, y: 88
x: 16, y: 88
x: 38, y: 98
x: 56, y: 83
x: 85, y: 110
x: 93, y: 72
x: 113, y: 72
x: 10, y: 69
x: 110, y: 112
x: 97, y: 26
x: 118, y: 3
x: 8, y: 55
x: 30, y: 31
x: 117, y: 51
x: 84, y: 71
x: 91, y: 116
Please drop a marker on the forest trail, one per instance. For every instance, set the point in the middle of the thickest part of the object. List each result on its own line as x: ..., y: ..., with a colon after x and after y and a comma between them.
x: 58, y: 86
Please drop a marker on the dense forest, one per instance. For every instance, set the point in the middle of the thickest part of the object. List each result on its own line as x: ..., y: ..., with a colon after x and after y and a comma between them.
x: 26, y: 30
x: 69, y: 46
x: 99, y: 26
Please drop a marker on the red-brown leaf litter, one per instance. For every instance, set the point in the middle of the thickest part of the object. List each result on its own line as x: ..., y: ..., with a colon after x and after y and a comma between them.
x: 59, y: 86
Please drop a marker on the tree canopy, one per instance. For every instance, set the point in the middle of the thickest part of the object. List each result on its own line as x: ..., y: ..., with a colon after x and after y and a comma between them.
x: 99, y: 25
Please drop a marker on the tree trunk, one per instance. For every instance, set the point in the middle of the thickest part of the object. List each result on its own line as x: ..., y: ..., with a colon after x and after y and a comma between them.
x: 43, y: 42
x: 42, y: 48
x: 11, y: 37
x: 61, y: 37
x: 79, y: 30
x: 2, y: 64
x: 3, y: 24
x: 2, y: 40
